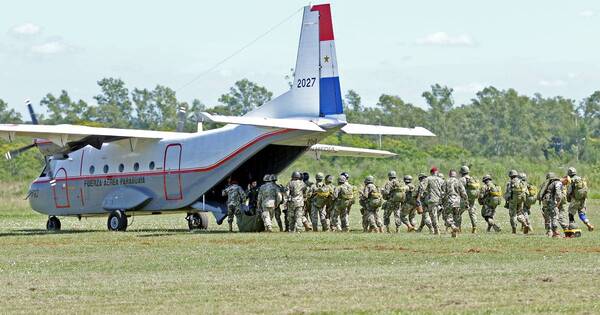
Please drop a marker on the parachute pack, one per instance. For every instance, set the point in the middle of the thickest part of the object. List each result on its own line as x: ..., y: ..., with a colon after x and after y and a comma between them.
x: 472, y: 188
x: 580, y: 188
x: 398, y: 192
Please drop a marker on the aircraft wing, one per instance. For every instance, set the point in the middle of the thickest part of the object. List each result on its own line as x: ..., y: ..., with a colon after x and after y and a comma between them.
x: 297, y: 124
x: 336, y: 150
x: 360, y: 129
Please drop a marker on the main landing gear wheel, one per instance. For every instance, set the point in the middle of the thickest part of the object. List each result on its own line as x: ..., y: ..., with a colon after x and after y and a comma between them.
x: 53, y: 224
x: 117, y: 221
x: 197, y: 221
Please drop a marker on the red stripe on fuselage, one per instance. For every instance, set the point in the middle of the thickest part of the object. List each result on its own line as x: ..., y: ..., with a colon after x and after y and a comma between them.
x: 325, y: 21
x: 189, y: 170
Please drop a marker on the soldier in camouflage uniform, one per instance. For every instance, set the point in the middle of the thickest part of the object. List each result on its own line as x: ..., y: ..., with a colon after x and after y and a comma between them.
x: 515, y: 196
x: 529, y: 201
x: 283, y: 225
x: 409, y: 206
x: 307, y: 202
x: 421, y: 205
x: 454, y: 192
x: 472, y: 187
x: 330, y: 201
x: 252, y: 195
x: 432, y: 187
x: 552, y: 196
x: 235, y: 198
x: 269, y: 197
x: 394, y: 193
x: 343, y: 199
x: 577, y: 197
x: 489, y: 199
x: 295, y: 189
x: 543, y: 200
x: 319, y: 193
x: 372, y: 201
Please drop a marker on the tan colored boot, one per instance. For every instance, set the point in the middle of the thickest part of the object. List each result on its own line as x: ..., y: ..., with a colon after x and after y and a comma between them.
x: 474, y: 230
x: 387, y: 229
x: 454, y: 232
x: 526, y: 229
x: 589, y: 226
x: 307, y: 227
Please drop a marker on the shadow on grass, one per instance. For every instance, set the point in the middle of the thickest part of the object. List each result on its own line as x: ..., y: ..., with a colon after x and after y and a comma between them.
x: 153, y: 232
x: 26, y: 232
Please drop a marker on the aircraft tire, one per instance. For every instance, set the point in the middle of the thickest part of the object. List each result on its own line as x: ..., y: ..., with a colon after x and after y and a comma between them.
x: 53, y: 224
x: 117, y: 221
x: 197, y: 221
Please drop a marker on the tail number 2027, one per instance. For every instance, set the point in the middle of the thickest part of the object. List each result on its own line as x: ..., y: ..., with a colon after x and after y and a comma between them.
x: 306, y: 82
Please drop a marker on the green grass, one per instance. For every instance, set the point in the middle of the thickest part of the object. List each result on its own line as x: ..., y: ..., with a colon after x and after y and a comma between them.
x: 157, y: 266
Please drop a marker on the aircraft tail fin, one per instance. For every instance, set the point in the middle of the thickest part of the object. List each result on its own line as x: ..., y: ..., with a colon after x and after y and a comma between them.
x: 315, y: 91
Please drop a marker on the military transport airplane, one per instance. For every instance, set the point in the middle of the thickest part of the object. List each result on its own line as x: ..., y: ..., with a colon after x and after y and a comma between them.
x: 120, y: 172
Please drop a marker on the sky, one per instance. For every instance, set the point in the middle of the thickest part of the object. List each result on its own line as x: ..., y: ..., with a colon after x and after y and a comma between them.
x: 550, y: 47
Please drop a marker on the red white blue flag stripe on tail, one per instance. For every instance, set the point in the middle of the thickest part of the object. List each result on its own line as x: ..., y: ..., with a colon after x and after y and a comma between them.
x: 329, y: 83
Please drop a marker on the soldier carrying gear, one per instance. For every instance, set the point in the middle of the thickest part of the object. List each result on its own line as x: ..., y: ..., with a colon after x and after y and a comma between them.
x: 515, y: 196
x: 307, y: 201
x: 472, y: 187
x: 269, y: 198
x: 409, y: 206
x: 295, y: 204
x: 454, y: 192
x: 343, y: 196
x: 432, y: 188
x: 553, y: 196
x: 372, y: 199
x: 420, y: 202
x: 531, y: 199
x: 283, y: 226
x: 394, y: 193
x: 489, y: 199
x: 235, y: 198
x: 577, y: 192
x: 318, y: 196
x: 330, y: 200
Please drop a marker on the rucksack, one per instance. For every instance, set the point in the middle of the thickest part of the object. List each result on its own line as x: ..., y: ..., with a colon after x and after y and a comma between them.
x: 493, y: 200
x: 472, y: 187
x: 398, y: 192
x: 580, y: 189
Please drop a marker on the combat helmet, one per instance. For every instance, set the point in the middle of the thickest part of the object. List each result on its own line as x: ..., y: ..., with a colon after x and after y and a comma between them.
x: 345, y: 174
x: 552, y: 176
x: 571, y: 171
x: 513, y: 173
x: 341, y: 179
x: 273, y: 177
x: 523, y: 176
x: 369, y: 179
x: 464, y: 170
x: 320, y: 176
x: 296, y: 175
x: 267, y: 178
x: 452, y: 173
x: 392, y: 174
x: 421, y: 176
x: 407, y: 179
x: 328, y: 179
x: 486, y: 177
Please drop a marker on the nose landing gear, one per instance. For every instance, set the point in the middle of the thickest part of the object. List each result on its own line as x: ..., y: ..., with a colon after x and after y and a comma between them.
x: 197, y: 221
x: 53, y: 224
x: 117, y: 221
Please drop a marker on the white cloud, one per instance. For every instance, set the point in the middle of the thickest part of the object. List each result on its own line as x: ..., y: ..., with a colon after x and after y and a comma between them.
x: 445, y: 39
x: 552, y: 83
x: 49, y: 48
x: 472, y: 87
x: 27, y: 29
x: 587, y: 13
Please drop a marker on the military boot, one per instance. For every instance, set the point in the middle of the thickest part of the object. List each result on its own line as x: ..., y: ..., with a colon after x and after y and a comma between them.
x: 526, y: 229
x: 410, y: 228
x: 589, y: 226
x: 454, y: 232
x: 307, y: 227
x: 230, y: 227
x: 436, y: 231
x: 497, y: 228
x: 387, y: 229
x: 474, y: 230
x: 514, y: 230
x: 380, y: 229
x: 556, y: 234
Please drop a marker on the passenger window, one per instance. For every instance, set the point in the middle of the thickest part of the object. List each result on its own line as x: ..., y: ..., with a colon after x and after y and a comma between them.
x: 105, y: 169
x: 151, y: 166
x: 92, y: 169
x: 121, y: 168
x: 136, y: 166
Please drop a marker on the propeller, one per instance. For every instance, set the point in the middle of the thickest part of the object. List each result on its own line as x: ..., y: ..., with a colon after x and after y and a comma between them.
x: 14, y: 153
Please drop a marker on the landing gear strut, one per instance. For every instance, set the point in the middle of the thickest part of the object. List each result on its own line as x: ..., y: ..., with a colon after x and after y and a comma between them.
x: 197, y: 221
x: 53, y: 224
x: 117, y: 221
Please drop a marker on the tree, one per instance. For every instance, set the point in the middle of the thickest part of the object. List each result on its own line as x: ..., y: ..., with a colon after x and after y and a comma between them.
x: 114, y: 106
x: 8, y: 116
x: 156, y: 109
x: 245, y: 96
x: 63, y: 110
x: 440, y: 102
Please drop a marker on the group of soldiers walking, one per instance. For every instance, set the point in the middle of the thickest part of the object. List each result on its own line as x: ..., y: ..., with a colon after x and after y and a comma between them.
x: 306, y: 205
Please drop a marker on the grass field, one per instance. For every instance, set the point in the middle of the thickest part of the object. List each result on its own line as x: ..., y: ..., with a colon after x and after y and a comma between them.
x: 157, y: 266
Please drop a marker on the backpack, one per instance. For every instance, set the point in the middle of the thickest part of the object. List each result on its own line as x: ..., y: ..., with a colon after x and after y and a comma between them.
x: 493, y: 199
x: 580, y: 189
x: 398, y: 192
x: 532, y: 195
x: 517, y: 188
x: 472, y: 188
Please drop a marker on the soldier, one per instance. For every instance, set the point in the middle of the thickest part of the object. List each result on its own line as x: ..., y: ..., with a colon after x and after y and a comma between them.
x: 307, y: 202
x: 394, y: 193
x: 432, y: 187
x: 489, y: 199
x: 252, y: 195
x: 543, y: 200
x: 344, y: 197
x: 454, y: 192
x: 529, y: 201
x: 283, y: 226
x: 409, y: 207
x: 330, y: 200
x: 421, y: 204
x: 356, y: 193
x: 577, y: 197
x: 295, y: 204
x: 553, y: 196
x: 269, y: 197
x: 235, y: 198
x: 515, y: 195
x: 472, y: 187
x: 372, y: 201
x: 319, y: 194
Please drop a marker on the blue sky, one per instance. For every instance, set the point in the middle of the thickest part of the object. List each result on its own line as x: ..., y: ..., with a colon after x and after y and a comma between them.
x: 393, y: 47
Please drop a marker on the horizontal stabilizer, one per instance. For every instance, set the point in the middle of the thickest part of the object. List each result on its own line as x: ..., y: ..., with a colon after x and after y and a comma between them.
x: 287, y: 123
x: 360, y: 129
x: 336, y: 150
